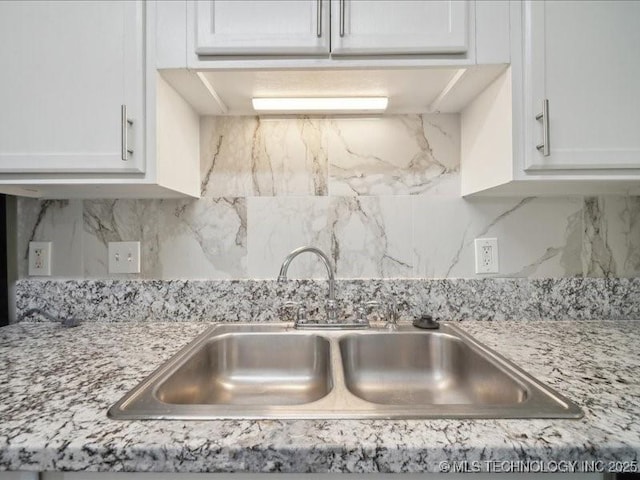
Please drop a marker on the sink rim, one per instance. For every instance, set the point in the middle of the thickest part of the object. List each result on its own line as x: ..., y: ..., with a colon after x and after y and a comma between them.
x: 140, y: 404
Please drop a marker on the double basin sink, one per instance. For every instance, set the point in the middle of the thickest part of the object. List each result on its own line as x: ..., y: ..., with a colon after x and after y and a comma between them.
x: 254, y: 371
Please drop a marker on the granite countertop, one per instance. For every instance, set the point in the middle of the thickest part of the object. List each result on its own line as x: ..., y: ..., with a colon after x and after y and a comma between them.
x: 56, y: 385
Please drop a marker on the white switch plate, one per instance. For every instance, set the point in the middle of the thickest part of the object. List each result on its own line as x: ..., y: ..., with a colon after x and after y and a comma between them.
x: 124, y: 257
x: 40, y: 258
x: 486, y: 255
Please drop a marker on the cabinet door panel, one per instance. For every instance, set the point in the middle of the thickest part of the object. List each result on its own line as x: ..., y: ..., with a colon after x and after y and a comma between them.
x: 67, y: 69
x: 398, y: 27
x: 584, y: 59
x: 267, y: 27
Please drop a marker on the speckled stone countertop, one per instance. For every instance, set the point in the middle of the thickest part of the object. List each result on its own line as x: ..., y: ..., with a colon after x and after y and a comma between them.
x: 56, y: 385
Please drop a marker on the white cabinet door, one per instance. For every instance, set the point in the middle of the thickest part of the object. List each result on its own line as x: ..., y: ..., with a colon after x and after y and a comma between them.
x: 399, y: 26
x: 67, y: 67
x: 266, y: 27
x: 584, y: 57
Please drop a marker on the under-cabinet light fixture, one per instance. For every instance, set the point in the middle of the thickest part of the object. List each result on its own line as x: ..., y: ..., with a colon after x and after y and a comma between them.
x: 321, y: 104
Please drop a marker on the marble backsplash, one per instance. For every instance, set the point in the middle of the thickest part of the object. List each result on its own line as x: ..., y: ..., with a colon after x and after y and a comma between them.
x: 380, y: 195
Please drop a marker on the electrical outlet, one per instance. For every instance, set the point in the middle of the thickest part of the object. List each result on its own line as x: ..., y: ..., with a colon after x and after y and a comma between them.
x: 124, y: 257
x: 40, y: 258
x: 486, y: 255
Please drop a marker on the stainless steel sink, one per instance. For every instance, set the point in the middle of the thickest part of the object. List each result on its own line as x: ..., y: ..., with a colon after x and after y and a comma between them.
x: 275, y: 371
x: 432, y: 369
x: 251, y: 369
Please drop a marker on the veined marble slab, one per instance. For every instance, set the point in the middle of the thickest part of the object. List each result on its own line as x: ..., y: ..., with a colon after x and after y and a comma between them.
x: 396, y: 155
x: 380, y: 195
x: 254, y: 156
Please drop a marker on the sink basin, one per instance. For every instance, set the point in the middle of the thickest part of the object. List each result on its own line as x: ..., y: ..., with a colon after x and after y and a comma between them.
x: 432, y: 369
x: 254, y: 371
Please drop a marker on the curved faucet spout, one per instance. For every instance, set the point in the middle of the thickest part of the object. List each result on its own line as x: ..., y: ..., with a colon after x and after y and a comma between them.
x: 327, y: 263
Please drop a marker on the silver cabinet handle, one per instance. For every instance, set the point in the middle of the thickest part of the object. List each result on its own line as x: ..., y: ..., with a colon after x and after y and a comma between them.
x: 544, y: 116
x: 125, y: 123
x: 319, y: 21
x: 342, y: 18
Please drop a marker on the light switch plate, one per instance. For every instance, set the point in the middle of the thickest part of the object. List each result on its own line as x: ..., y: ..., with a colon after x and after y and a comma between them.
x: 124, y: 257
x: 39, y: 258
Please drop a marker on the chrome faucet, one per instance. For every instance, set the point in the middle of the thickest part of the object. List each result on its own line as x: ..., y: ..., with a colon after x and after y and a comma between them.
x: 331, y: 305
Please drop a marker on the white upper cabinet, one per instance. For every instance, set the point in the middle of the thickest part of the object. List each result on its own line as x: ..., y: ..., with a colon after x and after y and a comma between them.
x: 398, y: 27
x: 577, y: 63
x: 85, y: 113
x: 67, y: 70
x: 321, y: 27
x: 267, y: 27
x: 584, y: 58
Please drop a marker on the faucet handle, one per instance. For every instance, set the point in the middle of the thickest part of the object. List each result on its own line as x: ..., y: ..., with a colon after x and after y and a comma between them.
x: 301, y: 315
x: 363, y: 310
x: 390, y: 312
x: 301, y: 310
x: 393, y: 315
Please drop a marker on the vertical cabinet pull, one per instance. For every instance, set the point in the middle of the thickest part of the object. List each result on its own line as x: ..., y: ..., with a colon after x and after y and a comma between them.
x: 342, y: 18
x: 544, y: 116
x: 125, y: 123
x: 319, y: 21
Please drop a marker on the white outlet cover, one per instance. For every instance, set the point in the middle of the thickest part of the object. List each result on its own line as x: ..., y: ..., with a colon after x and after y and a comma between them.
x: 39, y: 259
x: 484, y: 263
x: 124, y: 257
